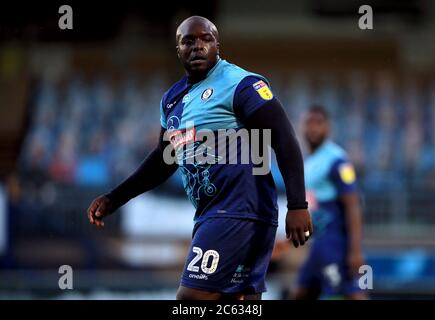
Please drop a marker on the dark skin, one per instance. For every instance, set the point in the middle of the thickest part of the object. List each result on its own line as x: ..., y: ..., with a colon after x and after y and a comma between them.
x: 198, y: 50
x: 316, y: 129
x: 197, y: 47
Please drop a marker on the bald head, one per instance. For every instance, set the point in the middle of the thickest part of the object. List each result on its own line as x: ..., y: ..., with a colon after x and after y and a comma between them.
x: 196, y: 20
x: 197, y: 46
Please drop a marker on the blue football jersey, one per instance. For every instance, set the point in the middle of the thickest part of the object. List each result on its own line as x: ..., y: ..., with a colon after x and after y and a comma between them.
x: 222, y: 100
x: 328, y: 174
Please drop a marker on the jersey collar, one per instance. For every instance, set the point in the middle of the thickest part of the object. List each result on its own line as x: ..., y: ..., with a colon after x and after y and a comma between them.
x: 323, y: 146
x: 218, y: 62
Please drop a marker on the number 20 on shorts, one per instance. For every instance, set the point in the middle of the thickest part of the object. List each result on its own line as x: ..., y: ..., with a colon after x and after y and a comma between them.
x: 206, y: 256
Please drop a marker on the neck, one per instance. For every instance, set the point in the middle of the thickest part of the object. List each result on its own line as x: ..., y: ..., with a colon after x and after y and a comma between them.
x: 314, y: 147
x: 196, y: 77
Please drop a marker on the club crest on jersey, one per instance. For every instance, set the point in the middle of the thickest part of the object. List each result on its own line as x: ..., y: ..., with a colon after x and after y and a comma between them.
x: 263, y: 90
x: 206, y: 94
x: 186, y: 98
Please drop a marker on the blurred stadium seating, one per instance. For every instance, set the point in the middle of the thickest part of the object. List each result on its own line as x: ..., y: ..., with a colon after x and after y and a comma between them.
x: 78, y: 117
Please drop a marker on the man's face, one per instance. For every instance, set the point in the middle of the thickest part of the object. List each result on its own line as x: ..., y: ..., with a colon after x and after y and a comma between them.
x: 315, y: 128
x: 197, y: 47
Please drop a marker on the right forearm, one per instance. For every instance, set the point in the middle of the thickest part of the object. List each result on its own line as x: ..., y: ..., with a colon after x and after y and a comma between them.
x: 152, y: 172
x: 353, y: 219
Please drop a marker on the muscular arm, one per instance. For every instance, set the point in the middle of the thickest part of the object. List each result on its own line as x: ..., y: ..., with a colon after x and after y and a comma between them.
x: 288, y: 154
x: 256, y: 107
x: 152, y: 172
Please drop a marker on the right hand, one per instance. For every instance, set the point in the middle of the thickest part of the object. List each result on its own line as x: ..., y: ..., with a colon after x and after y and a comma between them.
x: 100, y: 208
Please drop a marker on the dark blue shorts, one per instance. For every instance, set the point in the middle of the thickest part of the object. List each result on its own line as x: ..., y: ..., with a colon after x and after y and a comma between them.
x: 326, y: 270
x: 229, y: 255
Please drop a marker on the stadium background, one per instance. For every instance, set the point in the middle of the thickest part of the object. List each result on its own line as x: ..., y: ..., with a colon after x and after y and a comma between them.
x: 79, y: 109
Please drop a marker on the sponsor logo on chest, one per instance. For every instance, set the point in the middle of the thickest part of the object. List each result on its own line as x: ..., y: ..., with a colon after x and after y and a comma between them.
x: 179, y: 138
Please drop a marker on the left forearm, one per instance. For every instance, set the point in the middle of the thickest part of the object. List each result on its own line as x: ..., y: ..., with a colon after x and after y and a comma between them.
x: 290, y: 163
x: 288, y: 154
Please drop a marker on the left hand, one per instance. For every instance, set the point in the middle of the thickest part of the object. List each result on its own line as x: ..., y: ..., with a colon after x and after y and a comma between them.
x: 354, y: 261
x: 297, y: 223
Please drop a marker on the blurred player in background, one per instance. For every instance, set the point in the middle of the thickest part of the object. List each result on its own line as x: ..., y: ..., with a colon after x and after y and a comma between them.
x: 236, y: 211
x: 331, y: 269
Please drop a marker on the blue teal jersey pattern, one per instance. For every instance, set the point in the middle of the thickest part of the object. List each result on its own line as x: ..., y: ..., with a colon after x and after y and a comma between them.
x: 215, y: 112
x: 328, y: 174
x: 221, y: 101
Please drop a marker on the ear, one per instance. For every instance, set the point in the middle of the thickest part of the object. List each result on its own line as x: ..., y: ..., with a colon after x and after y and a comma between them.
x: 178, y: 51
x: 218, y: 47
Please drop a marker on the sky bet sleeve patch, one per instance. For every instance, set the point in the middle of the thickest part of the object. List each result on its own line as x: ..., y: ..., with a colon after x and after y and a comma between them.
x: 347, y: 173
x: 263, y: 90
